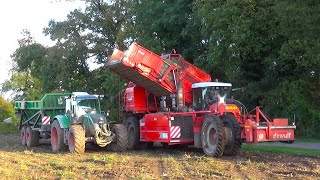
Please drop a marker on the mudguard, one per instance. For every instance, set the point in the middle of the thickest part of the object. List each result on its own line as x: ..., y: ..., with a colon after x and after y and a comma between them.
x: 64, y: 120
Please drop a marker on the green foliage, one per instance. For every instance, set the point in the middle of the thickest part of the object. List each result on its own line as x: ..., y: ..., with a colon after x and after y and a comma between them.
x: 271, y: 49
x: 6, y: 109
x: 24, y: 86
x: 167, y: 24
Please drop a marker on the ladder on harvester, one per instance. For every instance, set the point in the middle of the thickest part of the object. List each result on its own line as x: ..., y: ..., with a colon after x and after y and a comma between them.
x: 121, y: 108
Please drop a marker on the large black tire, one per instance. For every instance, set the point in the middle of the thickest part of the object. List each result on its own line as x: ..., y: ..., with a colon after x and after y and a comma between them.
x: 23, y: 136
x: 120, y: 142
x: 232, y: 135
x: 133, y: 127
x: 57, y: 137
x: 32, y: 137
x: 212, y: 136
x: 76, y: 139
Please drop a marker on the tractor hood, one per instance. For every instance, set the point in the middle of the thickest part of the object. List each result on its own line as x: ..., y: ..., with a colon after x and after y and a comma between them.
x: 94, y: 118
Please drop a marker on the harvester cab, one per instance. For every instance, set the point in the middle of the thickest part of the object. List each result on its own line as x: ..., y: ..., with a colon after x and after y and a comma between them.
x: 209, y: 95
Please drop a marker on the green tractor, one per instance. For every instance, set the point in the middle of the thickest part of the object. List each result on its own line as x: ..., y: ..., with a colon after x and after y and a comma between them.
x: 71, y: 120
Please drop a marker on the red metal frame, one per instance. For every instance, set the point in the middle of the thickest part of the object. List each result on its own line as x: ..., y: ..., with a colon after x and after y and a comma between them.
x: 276, y: 130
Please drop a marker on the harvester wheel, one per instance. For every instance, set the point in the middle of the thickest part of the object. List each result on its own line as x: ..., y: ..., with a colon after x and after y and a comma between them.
x: 120, y: 142
x: 23, y: 136
x: 57, y: 137
x: 76, y: 139
x: 212, y: 136
x: 232, y: 135
x: 32, y: 137
x: 133, y: 133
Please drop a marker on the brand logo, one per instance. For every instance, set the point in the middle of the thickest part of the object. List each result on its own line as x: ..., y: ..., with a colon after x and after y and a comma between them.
x: 282, y: 135
x: 261, y: 136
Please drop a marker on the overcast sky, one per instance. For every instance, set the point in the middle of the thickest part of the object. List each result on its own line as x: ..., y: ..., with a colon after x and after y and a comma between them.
x: 33, y: 15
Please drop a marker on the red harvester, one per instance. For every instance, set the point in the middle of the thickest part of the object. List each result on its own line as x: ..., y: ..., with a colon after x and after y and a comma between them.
x: 171, y: 101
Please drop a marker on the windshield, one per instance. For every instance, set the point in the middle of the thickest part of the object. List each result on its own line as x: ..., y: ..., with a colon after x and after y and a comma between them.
x: 88, y: 106
x: 216, y: 93
x: 203, y: 97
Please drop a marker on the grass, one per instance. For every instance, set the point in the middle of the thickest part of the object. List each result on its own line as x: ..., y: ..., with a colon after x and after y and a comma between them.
x: 285, y: 150
x: 8, y: 127
x: 308, y: 139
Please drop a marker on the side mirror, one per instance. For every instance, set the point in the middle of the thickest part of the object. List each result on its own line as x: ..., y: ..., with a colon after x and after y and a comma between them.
x: 238, y: 89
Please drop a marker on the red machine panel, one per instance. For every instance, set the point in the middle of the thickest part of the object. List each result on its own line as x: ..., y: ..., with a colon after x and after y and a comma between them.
x: 155, y: 128
x: 136, y: 100
x: 171, y: 128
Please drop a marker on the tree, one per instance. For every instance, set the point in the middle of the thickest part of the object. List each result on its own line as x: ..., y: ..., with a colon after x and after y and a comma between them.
x: 26, y: 74
x: 271, y: 49
x: 166, y: 24
x: 85, y: 35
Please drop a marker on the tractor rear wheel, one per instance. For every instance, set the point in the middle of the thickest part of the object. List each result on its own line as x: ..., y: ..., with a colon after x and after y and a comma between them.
x: 76, y: 139
x: 133, y: 127
x: 212, y: 136
x: 32, y: 137
x: 57, y: 137
x: 23, y: 136
x: 120, y: 142
x: 232, y: 131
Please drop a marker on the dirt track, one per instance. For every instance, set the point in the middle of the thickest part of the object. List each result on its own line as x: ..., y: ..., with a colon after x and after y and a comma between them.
x: 17, y: 162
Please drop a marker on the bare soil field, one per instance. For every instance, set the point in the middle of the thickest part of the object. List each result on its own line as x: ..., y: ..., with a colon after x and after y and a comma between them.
x: 18, y: 162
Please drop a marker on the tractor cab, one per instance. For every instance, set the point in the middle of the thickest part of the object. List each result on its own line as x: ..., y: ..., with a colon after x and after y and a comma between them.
x: 81, y: 103
x: 207, y: 93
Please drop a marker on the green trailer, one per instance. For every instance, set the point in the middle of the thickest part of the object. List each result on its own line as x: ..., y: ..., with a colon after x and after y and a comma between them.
x: 70, y: 120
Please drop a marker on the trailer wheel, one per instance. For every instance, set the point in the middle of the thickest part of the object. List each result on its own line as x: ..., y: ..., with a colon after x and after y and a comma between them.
x: 23, y: 136
x: 120, y: 142
x: 57, y: 135
x: 76, y: 139
x: 32, y: 137
x: 133, y: 133
x: 212, y: 136
x: 232, y: 135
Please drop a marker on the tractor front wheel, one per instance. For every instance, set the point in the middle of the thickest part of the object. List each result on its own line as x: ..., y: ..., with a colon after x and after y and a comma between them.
x: 23, y: 136
x: 76, y: 139
x: 212, y: 136
x: 120, y: 142
x: 32, y: 137
x: 57, y: 137
x: 232, y: 131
